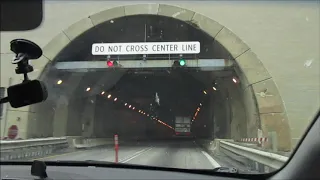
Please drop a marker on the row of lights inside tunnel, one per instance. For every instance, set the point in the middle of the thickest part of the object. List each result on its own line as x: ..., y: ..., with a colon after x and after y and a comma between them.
x: 115, y: 99
x: 234, y: 79
x: 204, y: 91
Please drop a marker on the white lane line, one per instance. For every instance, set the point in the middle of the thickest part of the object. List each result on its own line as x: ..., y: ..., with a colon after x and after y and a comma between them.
x: 211, y: 160
x: 135, y: 155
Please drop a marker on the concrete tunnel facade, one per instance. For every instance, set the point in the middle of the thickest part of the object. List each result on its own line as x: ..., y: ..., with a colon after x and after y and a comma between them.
x: 248, y: 103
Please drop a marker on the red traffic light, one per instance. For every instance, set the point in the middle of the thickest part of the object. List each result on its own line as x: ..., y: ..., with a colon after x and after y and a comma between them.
x: 110, y: 63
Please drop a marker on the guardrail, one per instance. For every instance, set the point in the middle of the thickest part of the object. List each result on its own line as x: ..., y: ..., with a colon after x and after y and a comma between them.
x: 265, y: 158
x: 249, y: 158
x: 17, y: 144
x: 91, y: 142
x: 31, y: 148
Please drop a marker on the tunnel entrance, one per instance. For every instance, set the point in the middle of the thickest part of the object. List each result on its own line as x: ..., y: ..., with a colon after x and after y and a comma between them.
x: 163, y: 93
x: 231, y: 111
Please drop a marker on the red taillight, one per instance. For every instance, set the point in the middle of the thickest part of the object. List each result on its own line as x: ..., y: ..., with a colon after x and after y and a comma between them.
x: 177, y: 133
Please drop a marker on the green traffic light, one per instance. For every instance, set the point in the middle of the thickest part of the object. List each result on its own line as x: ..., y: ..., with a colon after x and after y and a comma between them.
x: 182, y: 62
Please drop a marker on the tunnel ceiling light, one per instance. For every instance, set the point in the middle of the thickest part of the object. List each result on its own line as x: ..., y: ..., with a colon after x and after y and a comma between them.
x: 200, y: 104
x: 109, y: 96
x: 205, y: 92
x: 115, y: 99
x: 214, y: 88
x: 125, y: 104
x: 139, y: 111
x: 59, y: 81
x: 129, y: 106
x: 88, y: 89
x: 234, y: 80
x: 111, y: 21
x: 133, y: 108
x: 102, y: 93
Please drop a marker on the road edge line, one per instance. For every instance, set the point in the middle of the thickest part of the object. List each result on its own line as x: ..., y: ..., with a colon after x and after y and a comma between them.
x: 213, y: 162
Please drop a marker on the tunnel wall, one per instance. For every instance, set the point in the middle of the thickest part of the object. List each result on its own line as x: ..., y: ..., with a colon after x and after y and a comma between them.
x: 203, y: 126
x: 238, y: 129
x: 230, y: 101
x: 278, y: 45
x: 221, y: 117
x: 111, y: 118
x: 237, y: 114
x: 106, y: 121
x: 74, y: 125
x: 88, y: 117
x: 42, y: 122
x: 229, y: 111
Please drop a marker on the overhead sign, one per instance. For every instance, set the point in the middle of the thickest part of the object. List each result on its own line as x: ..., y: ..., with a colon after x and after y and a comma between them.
x: 86, y: 66
x: 192, y: 47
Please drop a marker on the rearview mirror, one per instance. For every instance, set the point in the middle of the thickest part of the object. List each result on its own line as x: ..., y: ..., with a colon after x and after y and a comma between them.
x: 21, y: 15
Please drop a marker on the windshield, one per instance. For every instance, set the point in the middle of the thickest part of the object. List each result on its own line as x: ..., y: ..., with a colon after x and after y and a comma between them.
x: 191, y: 85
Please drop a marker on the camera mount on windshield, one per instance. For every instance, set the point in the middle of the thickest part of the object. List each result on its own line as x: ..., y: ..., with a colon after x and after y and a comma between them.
x: 24, y: 50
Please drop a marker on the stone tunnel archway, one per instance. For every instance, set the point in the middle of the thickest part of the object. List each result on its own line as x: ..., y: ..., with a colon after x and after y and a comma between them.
x: 263, y: 103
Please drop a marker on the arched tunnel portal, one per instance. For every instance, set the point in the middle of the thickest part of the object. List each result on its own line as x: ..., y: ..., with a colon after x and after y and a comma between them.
x: 233, y: 100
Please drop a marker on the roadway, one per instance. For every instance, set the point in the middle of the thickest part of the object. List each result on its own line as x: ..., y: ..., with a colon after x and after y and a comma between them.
x: 174, y: 154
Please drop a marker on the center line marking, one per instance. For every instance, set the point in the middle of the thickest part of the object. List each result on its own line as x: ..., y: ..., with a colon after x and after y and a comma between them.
x: 135, y: 155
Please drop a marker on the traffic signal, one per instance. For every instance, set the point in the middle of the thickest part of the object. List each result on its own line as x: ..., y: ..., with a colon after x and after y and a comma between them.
x: 182, y: 62
x: 111, y: 63
x: 179, y: 63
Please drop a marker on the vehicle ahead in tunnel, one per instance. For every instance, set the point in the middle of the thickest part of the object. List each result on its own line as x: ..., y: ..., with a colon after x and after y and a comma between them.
x: 161, y: 85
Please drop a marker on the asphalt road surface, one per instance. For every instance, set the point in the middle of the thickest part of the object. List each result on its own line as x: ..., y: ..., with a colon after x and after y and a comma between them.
x: 175, y: 154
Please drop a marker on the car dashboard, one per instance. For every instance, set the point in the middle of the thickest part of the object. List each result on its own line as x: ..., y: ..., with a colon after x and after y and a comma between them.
x: 22, y: 172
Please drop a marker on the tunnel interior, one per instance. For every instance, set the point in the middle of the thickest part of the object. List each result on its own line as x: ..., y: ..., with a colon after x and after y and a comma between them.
x: 81, y: 104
